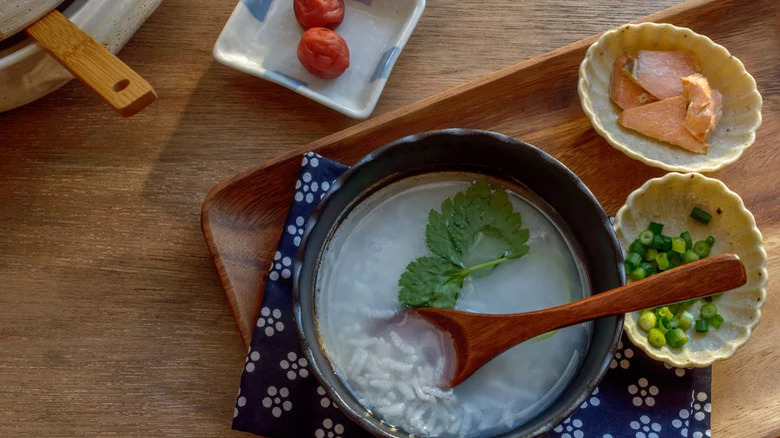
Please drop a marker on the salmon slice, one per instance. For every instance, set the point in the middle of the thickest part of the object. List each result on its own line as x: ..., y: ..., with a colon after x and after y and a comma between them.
x: 663, y: 120
x: 660, y: 72
x: 623, y: 91
x: 704, y: 107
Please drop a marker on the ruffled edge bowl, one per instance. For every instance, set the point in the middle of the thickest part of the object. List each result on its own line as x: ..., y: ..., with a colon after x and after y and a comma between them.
x: 741, y: 100
x: 669, y: 200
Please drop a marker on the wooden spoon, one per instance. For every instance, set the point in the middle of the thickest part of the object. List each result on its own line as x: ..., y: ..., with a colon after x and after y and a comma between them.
x: 91, y: 63
x: 480, y: 337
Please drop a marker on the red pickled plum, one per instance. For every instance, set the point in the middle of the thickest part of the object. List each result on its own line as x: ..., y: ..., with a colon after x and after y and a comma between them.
x: 323, y: 52
x: 319, y: 13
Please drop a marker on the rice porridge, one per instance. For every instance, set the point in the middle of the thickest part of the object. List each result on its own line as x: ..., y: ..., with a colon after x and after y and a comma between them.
x: 394, y: 361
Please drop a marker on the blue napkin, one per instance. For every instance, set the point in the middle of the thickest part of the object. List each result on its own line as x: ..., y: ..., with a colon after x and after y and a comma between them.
x: 280, y: 398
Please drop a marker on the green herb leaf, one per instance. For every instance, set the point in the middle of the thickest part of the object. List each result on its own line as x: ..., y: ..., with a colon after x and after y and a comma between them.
x: 451, y: 234
x: 430, y: 282
x: 437, y: 237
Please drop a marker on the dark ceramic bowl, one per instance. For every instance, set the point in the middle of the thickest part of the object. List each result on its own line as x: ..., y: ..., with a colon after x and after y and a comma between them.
x: 493, y: 155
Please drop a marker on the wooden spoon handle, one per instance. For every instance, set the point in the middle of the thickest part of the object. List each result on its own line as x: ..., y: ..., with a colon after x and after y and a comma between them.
x: 116, y: 83
x: 705, y: 277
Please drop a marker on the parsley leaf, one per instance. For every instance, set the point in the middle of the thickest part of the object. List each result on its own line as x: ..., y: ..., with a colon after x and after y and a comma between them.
x: 438, y: 239
x: 430, y: 282
x: 451, y: 235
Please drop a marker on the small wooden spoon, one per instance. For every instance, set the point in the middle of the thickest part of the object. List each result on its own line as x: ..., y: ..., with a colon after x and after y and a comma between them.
x: 480, y: 337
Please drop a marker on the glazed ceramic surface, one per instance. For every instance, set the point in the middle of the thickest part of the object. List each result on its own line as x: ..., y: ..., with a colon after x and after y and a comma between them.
x: 27, y: 72
x: 741, y: 100
x: 15, y: 15
x: 496, y: 156
x: 669, y: 200
x: 261, y: 38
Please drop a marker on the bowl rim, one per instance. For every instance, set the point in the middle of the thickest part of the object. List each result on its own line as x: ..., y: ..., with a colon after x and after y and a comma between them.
x: 583, y: 85
x: 360, y: 418
x: 77, y: 12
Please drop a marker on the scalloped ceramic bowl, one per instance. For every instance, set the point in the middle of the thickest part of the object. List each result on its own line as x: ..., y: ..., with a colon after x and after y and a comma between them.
x: 741, y: 100
x: 669, y: 200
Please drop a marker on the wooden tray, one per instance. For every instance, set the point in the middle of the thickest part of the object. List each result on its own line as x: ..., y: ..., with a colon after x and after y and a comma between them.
x: 536, y: 101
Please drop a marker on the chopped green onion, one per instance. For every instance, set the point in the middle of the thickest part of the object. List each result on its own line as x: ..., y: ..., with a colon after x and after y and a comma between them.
x: 687, y: 238
x: 646, y: 237
x: 647, y: 321
x: 702, y: 249
x: 638, y: 273
x: 678, y: 245
x: 637, y: 247
x: 676, y: 338
x: 701, y: 215
x: 648, y: 267
x: 690, y: 256
x: 663, y: 324
x: 650, y: 254
x: 653, y: 252
x: 656, y: 338
x: 662, y: 243
x: 633, y: 260
x: 686, y: 319
x: 708, y: 311
x: 662, y: 260
x: 716, y: 321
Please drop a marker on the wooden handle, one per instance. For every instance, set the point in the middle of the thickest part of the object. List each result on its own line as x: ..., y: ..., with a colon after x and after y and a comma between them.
x: 116, y: 83
x: 699, y: 279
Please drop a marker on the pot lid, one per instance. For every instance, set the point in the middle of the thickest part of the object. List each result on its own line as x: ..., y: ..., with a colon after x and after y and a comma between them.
x: 16, y: 15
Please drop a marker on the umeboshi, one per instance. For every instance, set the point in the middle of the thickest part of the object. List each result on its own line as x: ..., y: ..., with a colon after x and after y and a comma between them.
x: 319, y: 13
x: 323, y: 52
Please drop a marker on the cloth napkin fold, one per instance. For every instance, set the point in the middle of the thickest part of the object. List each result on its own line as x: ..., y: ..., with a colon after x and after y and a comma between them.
x: 280, y: 398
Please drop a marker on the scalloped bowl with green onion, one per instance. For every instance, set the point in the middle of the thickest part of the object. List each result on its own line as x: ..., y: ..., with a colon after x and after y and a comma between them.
x: 669, y: 200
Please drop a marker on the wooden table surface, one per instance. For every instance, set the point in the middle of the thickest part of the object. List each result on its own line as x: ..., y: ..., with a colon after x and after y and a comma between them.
x: 112, y: 320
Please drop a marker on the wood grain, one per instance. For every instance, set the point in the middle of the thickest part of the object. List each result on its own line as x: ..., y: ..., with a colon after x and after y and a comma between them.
x: 91, y: 63
x: 112, y: 318
x: 480, y: 337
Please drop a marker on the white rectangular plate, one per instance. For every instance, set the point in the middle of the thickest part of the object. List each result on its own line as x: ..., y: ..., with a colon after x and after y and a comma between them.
x: 261, y: 38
